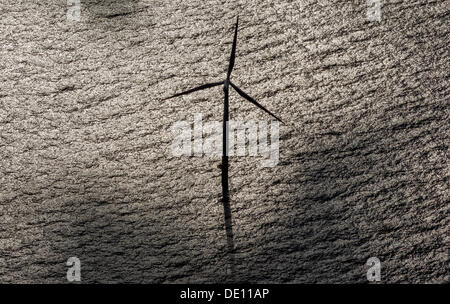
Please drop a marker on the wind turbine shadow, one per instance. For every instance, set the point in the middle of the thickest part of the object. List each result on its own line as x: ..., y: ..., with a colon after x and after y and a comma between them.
x: 114, y: 16
x: 225, y: 146
x: 111, y: 9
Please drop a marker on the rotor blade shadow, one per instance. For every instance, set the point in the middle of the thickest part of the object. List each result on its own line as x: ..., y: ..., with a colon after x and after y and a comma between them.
x: 233, y: 50
x: 199, y: 88
x: 243, y: 94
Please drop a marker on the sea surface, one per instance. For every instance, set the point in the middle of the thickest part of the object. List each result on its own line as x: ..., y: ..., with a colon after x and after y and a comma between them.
x: 87, y: 169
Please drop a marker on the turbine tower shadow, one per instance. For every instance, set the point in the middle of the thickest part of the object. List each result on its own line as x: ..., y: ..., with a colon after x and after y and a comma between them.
x: 225, y: 148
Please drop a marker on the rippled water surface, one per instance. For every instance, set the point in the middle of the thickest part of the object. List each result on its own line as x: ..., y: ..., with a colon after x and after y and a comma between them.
x: 86, y: 167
